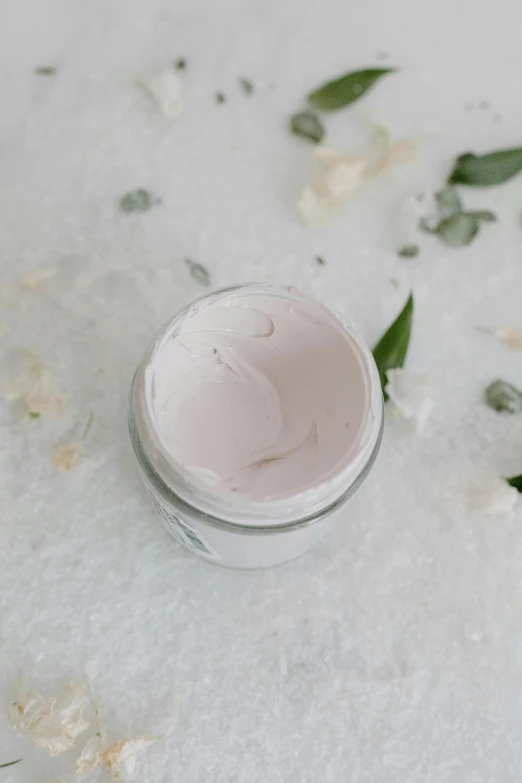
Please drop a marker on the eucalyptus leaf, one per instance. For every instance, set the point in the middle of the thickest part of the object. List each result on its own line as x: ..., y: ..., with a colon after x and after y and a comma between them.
x: 408, y: 251
x: 45, y: 70
x: 390, y: 352
x: 10, y: 763
x: 515, y: 481
x: 198, y: 271
x: 246, y: 85
x: 346, y: 89
x: 503, y: 397
x: 484, y: 215
x: 139, y: 200
x: 458, y: 230
x: 308, y: 125
x: 483, y: 170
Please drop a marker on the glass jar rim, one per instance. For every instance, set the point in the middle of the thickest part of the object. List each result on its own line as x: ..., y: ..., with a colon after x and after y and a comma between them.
x: 240, y: 513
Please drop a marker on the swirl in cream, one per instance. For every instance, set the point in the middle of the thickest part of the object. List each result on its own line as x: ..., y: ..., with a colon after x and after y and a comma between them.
x: 259, y: 394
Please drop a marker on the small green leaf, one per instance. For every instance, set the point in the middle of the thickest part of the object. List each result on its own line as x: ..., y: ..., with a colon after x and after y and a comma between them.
x: 220, y: 97
x: 10, y: 763
x: 503, y: 397
x: 34, y: 414
x: 483, y: 214
x: 346, y: 89
x: 448, y: 202
x: 390, y: 352
x: 490, y: 169
x: 139, y: 200
x: 180, y: 64
x: 308, y: 125
x: 198, y: 271
x: 320, y: 260
x: 408, y: 251
x: 458, y: 230
x: 247, y: 86
x: 45, y: 70
x: 515, y: 481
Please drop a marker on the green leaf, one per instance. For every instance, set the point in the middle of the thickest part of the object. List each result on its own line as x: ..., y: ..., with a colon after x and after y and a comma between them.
x: 180, y: 64
x: 346, y: 89
x: 483, y: 214
x: 308, y: 125
x: 220, y: 97
x: 503, y: 397
x: 34, y: 414
x: 390, y: 352
x: 45, y: 70
x: 458, y: 230
x: 198, y: 271
x: 490, y: 169
x: 408, y: 251
x: 139, y: 200
x: 515, y: 481
x: 448, y: 202
x: 246, y: 85
x: 320, y: 260
x: 10, y: 763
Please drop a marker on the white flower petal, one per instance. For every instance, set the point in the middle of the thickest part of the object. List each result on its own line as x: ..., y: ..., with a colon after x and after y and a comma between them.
x: 412, y: 395
x: 311, y: 208
x: 509, y: 336
x: 52, y: 724
x: 91, y: 757
x: 166, y: 88
x: 342, y: 177
x: 66, y: 457
x: 36, y: 387
x: 122, y: 757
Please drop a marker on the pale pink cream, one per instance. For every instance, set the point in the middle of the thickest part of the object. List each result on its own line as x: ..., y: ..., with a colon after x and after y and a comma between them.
x: 259, y: 395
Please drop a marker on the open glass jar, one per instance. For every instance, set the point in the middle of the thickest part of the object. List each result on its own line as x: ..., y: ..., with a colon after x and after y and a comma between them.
x: 254, y: 414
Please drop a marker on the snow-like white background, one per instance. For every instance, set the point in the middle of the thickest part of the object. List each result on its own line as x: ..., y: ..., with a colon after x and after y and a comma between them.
x: 391, y: 653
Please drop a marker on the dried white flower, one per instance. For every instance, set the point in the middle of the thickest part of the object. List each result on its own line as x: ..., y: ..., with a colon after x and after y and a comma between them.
x: 121, y: 758
x: 399, y: 152
x: 509, y: 335
x: 412, y: 396
x: 90, y: 757
x: 312, y: 209
x: 34, y: 280
x: 52, y: 724
x: 341, y: 176
x: 166, y: 88
x: 36, y: 387
x: 66, y: 456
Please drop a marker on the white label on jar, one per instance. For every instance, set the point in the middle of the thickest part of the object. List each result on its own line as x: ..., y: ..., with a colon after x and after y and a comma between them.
x: 187, y: 535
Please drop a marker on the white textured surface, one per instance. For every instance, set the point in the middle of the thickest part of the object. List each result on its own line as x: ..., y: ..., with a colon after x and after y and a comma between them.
x: 392, y: 653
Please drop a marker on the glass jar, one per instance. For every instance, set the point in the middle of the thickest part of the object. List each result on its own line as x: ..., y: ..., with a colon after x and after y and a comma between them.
x: 233, y: 530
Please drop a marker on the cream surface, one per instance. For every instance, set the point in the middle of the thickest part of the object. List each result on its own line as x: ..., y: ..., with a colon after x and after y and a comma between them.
x: 259, y: 394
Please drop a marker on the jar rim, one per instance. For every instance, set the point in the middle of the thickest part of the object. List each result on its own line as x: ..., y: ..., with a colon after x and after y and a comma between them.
x: 289, y: 510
